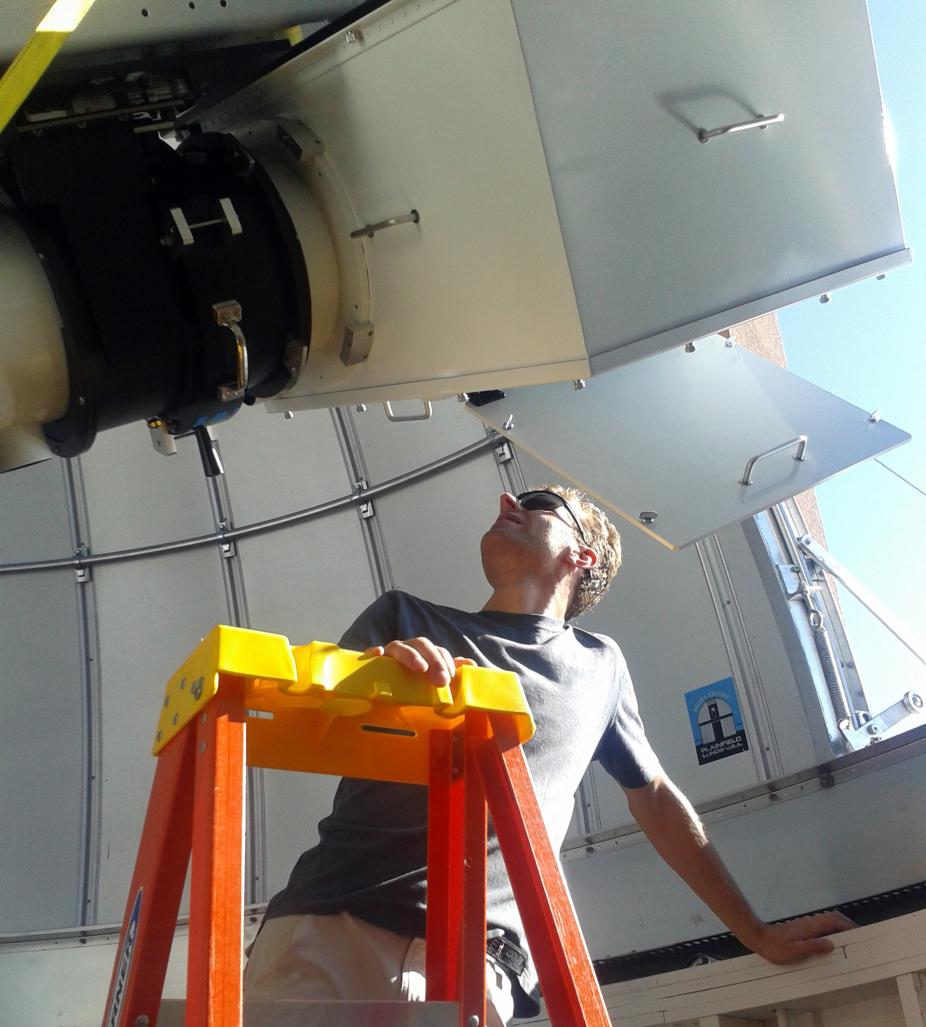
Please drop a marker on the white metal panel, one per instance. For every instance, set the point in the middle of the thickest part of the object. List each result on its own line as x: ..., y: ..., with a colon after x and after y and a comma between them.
x: 127, y: 484
x: 34, y: 514
x: 433, y: 529
x: 391, y: 448
x: 672, y: 435
x: 274, y: 465
x: 152, y: 614
x: 41, y: 752
x: 662, y: 230
x: 309, y: 583
x: 428, y: 108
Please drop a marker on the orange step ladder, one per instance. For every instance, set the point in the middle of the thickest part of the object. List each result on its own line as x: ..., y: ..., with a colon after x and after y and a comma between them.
x: 248, y: 698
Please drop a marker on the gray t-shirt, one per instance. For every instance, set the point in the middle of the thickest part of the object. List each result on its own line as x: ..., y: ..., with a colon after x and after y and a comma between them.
x: 371, y: 856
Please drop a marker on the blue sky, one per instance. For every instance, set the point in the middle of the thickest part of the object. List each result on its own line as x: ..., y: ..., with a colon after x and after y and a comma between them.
x: 868, y: 345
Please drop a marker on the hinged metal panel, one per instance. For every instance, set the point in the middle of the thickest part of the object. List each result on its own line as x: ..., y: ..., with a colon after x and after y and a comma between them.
x: 669, y: 237
x: 665, y: 442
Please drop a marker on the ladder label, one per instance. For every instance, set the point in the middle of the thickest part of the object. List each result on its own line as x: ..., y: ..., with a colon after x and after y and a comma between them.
x: 716, y: 721
x: 125, y: 964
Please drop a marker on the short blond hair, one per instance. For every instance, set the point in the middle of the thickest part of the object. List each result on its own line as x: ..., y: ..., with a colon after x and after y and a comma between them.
x: 603, y: 537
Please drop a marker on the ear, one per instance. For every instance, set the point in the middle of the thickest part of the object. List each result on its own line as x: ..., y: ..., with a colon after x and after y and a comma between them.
x: 585, y: 558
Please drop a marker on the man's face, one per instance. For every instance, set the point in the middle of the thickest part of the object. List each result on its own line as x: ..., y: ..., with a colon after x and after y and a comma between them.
x: 527, y: 541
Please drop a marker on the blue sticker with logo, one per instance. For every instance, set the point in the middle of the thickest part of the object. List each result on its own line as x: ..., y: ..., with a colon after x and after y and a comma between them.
x: 716, y: 721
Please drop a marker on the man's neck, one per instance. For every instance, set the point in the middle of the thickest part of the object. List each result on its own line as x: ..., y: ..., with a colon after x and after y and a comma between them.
x: 528, y: 597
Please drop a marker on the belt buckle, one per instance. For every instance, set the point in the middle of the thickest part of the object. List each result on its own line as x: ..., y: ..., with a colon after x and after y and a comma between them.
x: 508, y: 955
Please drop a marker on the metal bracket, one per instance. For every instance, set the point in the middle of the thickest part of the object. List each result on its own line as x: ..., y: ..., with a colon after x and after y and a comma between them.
x: 82, y: 573
x: 790, y: 579
x: 357, y: 342
x: 299, y: 141
x: 503, y: 453
x: 182, y: 230
x: 910, y: 705
x: 364, y: 506
x: 162, y: 440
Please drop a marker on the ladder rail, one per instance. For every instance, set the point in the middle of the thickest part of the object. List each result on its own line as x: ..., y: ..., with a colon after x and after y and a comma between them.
x: 216, y: 941
x: 564, y: 967
x: 155, y: 891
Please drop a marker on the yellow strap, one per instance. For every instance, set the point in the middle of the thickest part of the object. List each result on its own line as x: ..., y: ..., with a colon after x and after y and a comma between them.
x: 30, y: 63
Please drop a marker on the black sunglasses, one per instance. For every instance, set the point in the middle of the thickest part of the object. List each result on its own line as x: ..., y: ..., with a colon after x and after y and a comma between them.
x: 541, y: 499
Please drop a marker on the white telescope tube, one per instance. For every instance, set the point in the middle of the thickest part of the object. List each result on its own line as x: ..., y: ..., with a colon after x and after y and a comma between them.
x: 33, y: 363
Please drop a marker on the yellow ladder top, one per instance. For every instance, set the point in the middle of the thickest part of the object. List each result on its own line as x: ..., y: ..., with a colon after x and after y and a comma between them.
x: 328, y: 710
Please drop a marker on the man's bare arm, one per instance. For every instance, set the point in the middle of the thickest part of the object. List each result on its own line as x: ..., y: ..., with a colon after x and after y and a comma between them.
x: 673, y: 827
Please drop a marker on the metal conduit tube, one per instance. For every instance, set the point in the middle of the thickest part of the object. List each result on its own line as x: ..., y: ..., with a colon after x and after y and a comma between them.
x: 271, y: 524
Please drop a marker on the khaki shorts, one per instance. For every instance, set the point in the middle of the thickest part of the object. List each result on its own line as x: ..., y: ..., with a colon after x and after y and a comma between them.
x: 343, y: 957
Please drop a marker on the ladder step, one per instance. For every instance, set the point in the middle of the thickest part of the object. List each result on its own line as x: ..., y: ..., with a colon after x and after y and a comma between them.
x: 300, y: 1013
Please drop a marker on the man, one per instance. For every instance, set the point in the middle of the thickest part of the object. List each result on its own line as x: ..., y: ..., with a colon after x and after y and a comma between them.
x: 350, y: 923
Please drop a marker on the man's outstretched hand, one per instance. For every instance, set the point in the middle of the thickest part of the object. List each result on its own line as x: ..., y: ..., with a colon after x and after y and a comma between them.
x: 797, y: 939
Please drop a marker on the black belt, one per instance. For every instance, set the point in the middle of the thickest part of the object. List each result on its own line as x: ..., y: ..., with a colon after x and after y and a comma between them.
x: 507, y: 954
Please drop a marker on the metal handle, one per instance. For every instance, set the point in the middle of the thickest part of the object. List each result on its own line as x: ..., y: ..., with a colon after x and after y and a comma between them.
x: 426, y: 416
x: 182, y: 229
x: 228, y: 315
x: 412, y: 217
x: 705, y: 135
x: 800, y: 442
